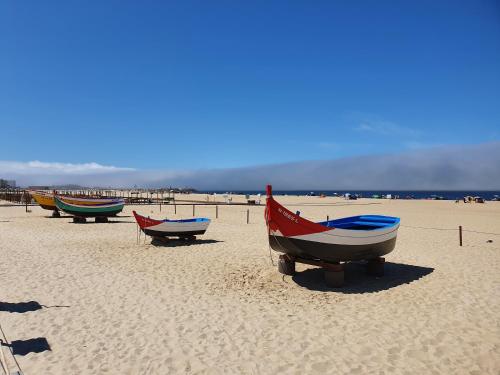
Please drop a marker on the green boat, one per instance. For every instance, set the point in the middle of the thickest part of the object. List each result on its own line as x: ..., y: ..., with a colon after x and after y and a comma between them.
x: 98, y: 209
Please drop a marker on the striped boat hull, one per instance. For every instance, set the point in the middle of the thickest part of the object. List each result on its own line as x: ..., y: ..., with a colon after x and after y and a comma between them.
x: 99, y: 209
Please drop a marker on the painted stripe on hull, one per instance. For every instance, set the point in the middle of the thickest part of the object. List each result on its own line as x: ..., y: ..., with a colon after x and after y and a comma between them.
x: 155, y: 233
x: 330, y: 252
x: 351, y: 237
x: 172, y: 226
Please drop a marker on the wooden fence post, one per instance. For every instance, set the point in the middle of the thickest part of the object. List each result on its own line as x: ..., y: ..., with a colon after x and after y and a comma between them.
x: 460, y: 234
x: 216, y: 211
x: 248, y: 216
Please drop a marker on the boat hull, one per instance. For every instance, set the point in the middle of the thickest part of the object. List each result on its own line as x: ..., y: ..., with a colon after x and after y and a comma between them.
x: 172, y: 228
x: 98, y: 210
x: 44, y: 200
x: 330, y: 252
x: 91, y: 213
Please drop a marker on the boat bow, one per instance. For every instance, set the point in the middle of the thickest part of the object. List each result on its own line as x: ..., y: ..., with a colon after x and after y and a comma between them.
x: 281, y: 221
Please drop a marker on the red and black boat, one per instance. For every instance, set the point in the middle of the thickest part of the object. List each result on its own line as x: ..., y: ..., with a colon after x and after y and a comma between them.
x: 353, y: 238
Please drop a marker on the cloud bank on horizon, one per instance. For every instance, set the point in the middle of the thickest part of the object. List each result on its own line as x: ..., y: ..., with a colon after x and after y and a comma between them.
x: 475, y: 167
x: 36, y: 167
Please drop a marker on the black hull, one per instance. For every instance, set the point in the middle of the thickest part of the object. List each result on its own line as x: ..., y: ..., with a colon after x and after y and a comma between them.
x: 156, y: 233
x: 94, y: 214
x: 330, y: 252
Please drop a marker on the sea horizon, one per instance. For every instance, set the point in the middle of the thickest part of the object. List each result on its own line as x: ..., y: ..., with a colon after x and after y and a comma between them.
x: 403, y: 194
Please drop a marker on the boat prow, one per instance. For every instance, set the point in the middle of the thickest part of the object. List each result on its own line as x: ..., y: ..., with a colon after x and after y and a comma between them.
x: 44, y: 199
x: 353, y: 238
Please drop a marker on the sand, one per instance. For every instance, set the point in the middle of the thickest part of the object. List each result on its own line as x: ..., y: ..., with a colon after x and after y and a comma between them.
x: 219, y: 306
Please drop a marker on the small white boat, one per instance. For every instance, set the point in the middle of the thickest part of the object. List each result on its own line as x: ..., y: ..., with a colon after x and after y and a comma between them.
x: 184, y: 228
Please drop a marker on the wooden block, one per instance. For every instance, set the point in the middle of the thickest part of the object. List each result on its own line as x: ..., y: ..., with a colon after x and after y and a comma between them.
x: 286, y: 266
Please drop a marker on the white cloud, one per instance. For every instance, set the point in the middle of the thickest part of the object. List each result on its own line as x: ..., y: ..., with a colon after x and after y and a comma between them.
x: 36, y: 167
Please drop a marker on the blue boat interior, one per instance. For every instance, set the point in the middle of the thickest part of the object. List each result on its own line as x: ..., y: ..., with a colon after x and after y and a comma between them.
x: 194, y: 220
x: 363, y: 222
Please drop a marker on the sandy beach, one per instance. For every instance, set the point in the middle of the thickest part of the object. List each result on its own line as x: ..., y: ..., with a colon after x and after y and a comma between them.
x: 109, y: 305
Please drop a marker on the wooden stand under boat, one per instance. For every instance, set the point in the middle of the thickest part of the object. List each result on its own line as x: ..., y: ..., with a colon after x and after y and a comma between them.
x: 334, y: 272
x: 167, y: 239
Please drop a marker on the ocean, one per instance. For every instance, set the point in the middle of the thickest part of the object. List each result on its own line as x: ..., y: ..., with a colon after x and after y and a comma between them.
x: 403, y: 194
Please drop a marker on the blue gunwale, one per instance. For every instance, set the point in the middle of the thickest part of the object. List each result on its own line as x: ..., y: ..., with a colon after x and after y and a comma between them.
x: 194, y: 220
x: 362, y: 222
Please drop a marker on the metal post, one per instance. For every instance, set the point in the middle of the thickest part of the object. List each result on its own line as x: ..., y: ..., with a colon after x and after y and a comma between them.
x: 193, y: 210
x: 216, y: 211
x: 460, y: 234
x: 248, y: 216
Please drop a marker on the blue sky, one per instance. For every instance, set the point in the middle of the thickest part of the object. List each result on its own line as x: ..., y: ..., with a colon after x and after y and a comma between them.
x: 217, y: 84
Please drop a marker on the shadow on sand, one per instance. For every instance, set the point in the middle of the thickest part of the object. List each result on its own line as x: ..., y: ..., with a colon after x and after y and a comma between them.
x: 20, y: 307
x: 23, y: 347
x: 357, y: 281
x: 182, y: 243
x: 23, y: 307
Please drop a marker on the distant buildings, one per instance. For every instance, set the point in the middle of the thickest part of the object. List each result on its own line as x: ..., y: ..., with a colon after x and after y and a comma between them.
x: 4, y: 184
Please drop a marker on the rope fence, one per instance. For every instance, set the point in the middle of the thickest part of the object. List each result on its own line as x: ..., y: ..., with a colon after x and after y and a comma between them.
x: 460, y: 231
x: 475, y: 231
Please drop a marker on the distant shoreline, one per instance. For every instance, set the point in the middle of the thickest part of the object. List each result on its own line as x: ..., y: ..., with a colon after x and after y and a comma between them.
x: 402, y: 194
